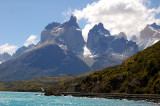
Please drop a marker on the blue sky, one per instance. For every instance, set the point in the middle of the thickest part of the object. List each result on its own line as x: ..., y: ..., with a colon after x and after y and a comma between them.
x: 19, y: 19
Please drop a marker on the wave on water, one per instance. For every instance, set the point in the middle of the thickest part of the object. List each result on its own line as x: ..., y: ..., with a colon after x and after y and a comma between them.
x: 32, y: 99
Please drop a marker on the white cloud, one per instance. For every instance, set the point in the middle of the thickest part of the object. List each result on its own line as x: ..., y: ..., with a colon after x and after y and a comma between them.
x: 158, y: 10
x: 129, y: 16
x: 85, y: 30
x: 31, y: 40
x: 67, y: 13
x: 8, y: 48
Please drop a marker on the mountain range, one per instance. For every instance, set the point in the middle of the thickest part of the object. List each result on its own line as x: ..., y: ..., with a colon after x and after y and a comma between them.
x: 148, y: 36
x: 62, y: 50
x: 139, y: 74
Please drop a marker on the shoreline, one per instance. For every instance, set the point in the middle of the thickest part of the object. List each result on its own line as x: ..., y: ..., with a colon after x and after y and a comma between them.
x: 154, y: 98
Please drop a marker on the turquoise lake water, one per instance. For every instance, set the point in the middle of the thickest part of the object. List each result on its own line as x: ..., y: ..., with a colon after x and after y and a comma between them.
x: 31, y: 99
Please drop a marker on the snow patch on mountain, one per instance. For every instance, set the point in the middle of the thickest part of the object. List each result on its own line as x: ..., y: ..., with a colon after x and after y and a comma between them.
x: 78, y: 29
x: 144, y: 43
x: 101, y: 32
x: 152, y: 29
x: 86, y: 51
x: 148, y: 36
x: 156, y: 41
x: 62, y: 47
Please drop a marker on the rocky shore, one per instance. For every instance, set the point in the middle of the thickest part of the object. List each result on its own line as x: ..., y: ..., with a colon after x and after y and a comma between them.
x: 137, y: 97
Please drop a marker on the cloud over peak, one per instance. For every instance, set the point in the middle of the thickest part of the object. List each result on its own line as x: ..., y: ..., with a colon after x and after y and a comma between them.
x: 31, y: 40
x: 129, y: 16
x: 8, y: 48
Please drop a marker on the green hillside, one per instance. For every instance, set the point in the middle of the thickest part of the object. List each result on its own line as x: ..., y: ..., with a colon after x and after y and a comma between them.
x: 33, y: 85
x: 138, y: 74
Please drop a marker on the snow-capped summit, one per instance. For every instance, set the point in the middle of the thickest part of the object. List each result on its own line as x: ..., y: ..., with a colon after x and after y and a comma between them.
x: 150, y: 31
x: 148, y: 36
x: 144, y: 43
x: 72, y: 22
x: 99, y: 29
x: 155, y: 26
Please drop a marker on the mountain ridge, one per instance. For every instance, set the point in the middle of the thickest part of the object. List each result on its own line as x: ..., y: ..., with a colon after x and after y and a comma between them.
x: 102, y: 50
x: 41, y: 62
x: 139, y: 74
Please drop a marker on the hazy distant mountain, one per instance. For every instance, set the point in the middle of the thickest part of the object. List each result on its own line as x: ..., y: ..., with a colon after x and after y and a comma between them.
x: 150, y: 31
x: 121, y: 35
x: 55, y: 54
x: 48, y: 60
x: 148, y: 36
x: 4, y: 57
x: 21, y: 50
x: 62, y: 50
x: 134, y: 38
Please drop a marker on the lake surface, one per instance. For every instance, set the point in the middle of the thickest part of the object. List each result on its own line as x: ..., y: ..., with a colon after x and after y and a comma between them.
x: 32, y: 99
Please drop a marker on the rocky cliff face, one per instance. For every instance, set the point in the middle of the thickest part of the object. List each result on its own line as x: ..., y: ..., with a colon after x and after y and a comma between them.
x: 55, y: 54
x: 46, y: 34
x: 150, y: 31
x: 62, y: 50
x: 98, y: 38
x: 108, y: 50
x: 67, y: 34
x: 100, y: 41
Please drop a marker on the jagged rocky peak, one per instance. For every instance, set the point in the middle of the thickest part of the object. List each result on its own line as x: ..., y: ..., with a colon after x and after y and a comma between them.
x: 97, y: 38
x: 52, y: 25
x: 72, y: 22
x: 122, y: 34
x: 99, y: 43
x: 123, y: 46
x: 134, y: 38
x: 67, y: 34
x: 150, y: 31
x: 99, y: 29
x: 46, y: 34
x: 155, y: 26
x: 71, y: 36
